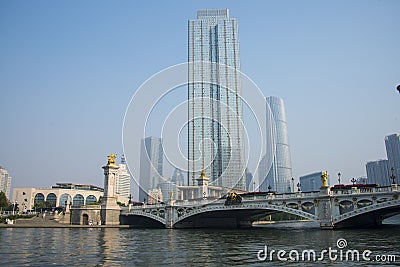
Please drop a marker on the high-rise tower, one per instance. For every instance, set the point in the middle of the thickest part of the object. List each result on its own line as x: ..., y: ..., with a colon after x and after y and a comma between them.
x: 123, y: 181
x: 5, y: 182
x: 392, y: 143
x: 276, y: 168
x: 215, y: 127
x: 151, y: 165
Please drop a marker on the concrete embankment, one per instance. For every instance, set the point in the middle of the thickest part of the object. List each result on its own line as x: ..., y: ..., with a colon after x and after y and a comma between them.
x: 50, y: 222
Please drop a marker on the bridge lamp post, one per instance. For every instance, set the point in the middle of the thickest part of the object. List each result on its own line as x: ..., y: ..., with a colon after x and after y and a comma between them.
x: 353, y: 180
x: 393, y: 177
x: 298, y: 187
x: 14, y: 204
x: 269, y: 189
x: 339, y: 174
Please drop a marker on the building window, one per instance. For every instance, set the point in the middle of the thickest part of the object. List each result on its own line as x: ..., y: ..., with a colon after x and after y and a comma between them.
x: 39, y: 198
x: 52, y: 199
x: 91, y: 199
x: 78, y: 200
x: 65, y: 198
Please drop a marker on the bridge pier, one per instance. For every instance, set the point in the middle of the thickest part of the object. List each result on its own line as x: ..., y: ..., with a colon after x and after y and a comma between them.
x: 171, y: 216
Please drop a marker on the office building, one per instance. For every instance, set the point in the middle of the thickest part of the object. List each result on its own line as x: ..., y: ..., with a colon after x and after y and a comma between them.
x: 5, y: 182
x: 123, y: 182
x: 178, y: 177
x: 154, y: 196
x: 378, y: 172
x: 276, y: 168
x: 392, y: 143
x: 151, y: 165
x: 249, y: 181
x: 311, y: 182
x: 215, y: 130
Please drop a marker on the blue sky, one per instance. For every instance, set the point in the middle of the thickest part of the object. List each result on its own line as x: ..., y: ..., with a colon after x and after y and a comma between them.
x: 68, y: 70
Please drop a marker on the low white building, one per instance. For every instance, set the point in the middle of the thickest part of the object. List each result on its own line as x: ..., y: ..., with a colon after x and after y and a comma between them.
x: 59, y: 195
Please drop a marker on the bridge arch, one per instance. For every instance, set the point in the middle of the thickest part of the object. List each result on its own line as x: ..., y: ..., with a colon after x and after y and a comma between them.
x: 234, y: 216
x: 143, y: 219
x: 367, y: 214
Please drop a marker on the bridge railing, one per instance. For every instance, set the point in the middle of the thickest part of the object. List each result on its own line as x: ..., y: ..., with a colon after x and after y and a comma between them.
x: 364, y: 190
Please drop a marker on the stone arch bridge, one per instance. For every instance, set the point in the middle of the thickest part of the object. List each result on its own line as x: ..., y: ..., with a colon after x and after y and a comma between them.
x: 330, y: 208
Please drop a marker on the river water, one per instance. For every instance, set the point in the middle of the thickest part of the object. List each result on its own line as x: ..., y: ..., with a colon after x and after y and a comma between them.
x: 197, y: 247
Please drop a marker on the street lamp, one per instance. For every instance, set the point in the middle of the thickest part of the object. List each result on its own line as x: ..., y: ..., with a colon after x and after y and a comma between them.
x: 353, y: 180
x: 269, y: 188
x: 339, y: 177
x: 393, y: 177
x: 298, y: 187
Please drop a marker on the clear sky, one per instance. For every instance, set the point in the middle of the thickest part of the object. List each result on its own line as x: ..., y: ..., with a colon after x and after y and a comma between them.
x: 68, y: 70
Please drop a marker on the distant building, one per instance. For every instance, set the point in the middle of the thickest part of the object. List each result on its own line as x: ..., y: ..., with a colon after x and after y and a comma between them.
x: 178, y: 177
x: 123, y: 182
x: 276, y: 171
x: 362, y: 180
x: 392, y: 143
x: 151, y: 165
x: 154, y: 196
x: 59, y: 195
x: 378, y: 172
x: 168, y: 190
x: 249, y: 181
x: 311, y: 182
x: 5, y: 182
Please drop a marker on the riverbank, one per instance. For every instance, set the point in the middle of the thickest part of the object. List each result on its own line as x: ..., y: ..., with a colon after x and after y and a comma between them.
x: 49, y: 222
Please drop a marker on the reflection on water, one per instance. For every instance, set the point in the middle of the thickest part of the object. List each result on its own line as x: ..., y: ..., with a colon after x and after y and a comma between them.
x: 184, y: 247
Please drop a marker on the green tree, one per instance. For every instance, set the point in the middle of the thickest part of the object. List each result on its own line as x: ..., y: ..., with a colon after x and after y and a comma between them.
x: 4, y: 203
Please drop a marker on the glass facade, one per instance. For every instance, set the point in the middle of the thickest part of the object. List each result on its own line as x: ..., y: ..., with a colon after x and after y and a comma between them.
x: 215, y: 129
x: 311, y: 182
x: 392, y: 143
x: 378, y: 172
x: 275, y: 170
x: 151, y: 165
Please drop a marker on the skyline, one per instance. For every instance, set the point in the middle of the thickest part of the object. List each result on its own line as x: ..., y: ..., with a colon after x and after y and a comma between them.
x: 67, y: 82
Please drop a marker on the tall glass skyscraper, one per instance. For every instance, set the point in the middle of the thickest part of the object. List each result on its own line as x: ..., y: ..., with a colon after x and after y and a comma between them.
x: 215, y: 128
x: 151, y: 165
x: 275, y: 169
x: 392, y: 143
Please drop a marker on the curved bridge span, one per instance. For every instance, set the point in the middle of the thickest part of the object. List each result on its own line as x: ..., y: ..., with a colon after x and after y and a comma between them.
x: 355, y: 207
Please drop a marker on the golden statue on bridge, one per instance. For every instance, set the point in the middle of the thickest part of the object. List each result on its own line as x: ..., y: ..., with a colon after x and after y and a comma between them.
x: 324, y: 179
x: 111, y: 159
